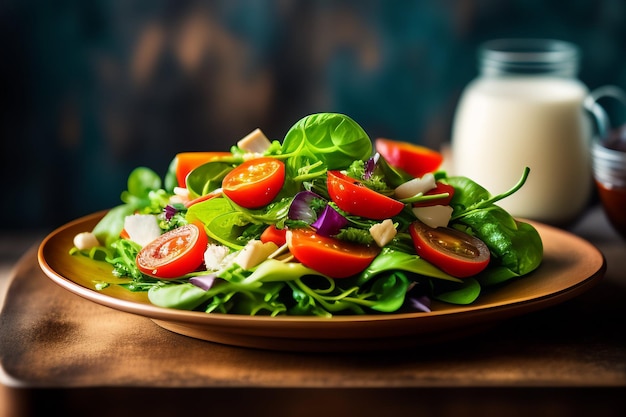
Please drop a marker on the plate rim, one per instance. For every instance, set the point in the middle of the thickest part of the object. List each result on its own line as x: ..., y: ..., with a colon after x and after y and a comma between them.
x: 229, y: 323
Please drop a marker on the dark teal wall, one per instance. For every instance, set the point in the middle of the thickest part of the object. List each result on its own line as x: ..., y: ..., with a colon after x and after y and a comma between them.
x: 90, y: 89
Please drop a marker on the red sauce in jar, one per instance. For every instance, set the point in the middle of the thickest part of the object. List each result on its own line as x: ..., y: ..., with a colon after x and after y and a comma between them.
x: 614, y: 204
x: 614, y: 198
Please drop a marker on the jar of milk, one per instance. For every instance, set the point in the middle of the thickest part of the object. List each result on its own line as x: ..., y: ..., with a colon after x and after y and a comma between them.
x: 526, y: 110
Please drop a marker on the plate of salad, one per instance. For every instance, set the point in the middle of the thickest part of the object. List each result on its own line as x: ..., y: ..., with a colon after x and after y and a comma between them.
x: 324, y: 240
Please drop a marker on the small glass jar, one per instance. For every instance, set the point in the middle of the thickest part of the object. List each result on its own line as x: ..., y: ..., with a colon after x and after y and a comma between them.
x: 525, y: 109
x: 608, y: 156
x: 609, y: 166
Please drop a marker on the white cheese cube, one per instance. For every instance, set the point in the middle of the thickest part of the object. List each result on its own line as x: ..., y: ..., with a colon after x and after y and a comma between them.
x: 415, y: 186
x: 254, y: 253
x: 383, y: 232
x: 254, y: 142
x: 434, y: 216
x: 142, y: 228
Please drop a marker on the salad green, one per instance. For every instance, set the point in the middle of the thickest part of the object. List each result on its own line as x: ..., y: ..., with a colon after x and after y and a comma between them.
x: 394, y: 277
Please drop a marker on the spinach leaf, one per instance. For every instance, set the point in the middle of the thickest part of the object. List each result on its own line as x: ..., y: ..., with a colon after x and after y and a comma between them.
x: 465, y: 292
x: 334, y: 139
x: 206, y: 211
x: 469, y: 196
x: 111, y: 225
x: 515, y: 246
x: 222, y: 222
x: 390, y: 291
x: 228, y: 228
x: 393, y: 176
x: 273, y: 270
x: 390, y: 260
x: 207, y: 177
x: 141, y: 182
x: 184, y: 296
x: 170, y: 181
x: 273, y: 213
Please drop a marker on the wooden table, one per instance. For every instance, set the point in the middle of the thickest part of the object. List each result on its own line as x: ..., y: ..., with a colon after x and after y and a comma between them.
x: 60, y: 351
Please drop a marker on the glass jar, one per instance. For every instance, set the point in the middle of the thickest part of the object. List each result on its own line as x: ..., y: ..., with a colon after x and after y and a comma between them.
x: 525, y: 109
x: 608, y: 157
x: 609, y: 169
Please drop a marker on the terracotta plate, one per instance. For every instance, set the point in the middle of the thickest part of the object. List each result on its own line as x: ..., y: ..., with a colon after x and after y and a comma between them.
x: 571, y: 266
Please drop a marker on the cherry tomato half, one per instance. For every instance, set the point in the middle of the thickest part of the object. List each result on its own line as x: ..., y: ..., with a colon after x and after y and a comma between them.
x: 174, y: 253
x: 440, y: 188
x: 185, y: 162
x: 273, y: 234
x: 453, y: 251
x: 414, y: 159
x: 355, y: 198
x: 255, y: 183
x: 332, y: 257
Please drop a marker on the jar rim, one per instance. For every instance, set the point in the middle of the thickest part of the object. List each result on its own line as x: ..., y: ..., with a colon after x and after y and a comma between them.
x: 529, y: 49
x: 529, y: 56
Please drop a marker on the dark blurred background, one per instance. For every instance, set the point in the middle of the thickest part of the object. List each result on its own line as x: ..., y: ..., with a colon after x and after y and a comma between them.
x: 91, y: 89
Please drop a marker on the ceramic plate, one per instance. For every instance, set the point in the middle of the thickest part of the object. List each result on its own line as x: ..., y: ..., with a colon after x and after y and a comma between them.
x: 570, y: 266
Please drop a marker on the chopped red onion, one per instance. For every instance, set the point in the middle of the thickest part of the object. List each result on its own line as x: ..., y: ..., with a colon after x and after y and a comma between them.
x: 370, y: 166
x: 300, y: 208
x: 205, y: 282
x: 420, y: 303
x: 329, y: 222
x: 169, y: 212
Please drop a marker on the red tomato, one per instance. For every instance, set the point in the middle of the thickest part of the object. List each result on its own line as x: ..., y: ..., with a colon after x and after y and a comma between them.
x: 174, y: 253
x: 452, y: 251
x: 213, y: 194
x: 187, y: 161
x: 355, y: 198
x: 440, y: 188
x: 255, y: 183
x: 332, y: 257
x: 272, y: 234
x: 414, y: 159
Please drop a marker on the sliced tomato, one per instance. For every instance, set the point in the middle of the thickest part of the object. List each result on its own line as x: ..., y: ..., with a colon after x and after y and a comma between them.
x: 273, y: 234
x: 415, y: 159
x: 440, y: 188
x: 332, y: 257
x: 452, y: 251
x: 355, y: 198
x: 212, y: 194
x: 174, y: 253
x: 255, y: 183
x: 185, y: 162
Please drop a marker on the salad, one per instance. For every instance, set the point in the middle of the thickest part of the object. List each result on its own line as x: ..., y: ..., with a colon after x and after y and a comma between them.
x: 322, y: 223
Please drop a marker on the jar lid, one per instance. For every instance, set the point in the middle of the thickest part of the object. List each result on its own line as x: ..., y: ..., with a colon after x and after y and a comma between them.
x: 529, y: 56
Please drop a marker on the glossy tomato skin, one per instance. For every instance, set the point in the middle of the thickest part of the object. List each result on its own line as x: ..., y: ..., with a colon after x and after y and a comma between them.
x: 174, y: 253
x: 414, y: 159
x: 273, y: 234
x: 329, y: 256
x: 452, y: 251
x: 440, y: 188
x: 255, y: 183
x: 355, y: 198
x: 185, y: 162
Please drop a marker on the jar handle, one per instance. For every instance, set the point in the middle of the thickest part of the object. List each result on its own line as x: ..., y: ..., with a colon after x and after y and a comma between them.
x: 600, y: 115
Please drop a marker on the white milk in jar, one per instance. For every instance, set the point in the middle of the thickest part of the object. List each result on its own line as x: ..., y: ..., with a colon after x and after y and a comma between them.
x: 526, y: 110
